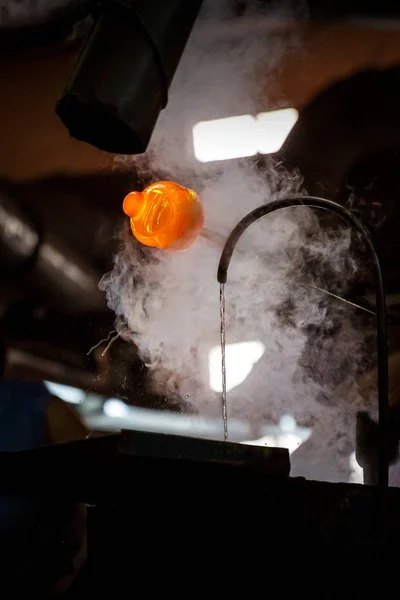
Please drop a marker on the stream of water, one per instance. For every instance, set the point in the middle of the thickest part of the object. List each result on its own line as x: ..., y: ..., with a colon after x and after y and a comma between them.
x: 223, y: 360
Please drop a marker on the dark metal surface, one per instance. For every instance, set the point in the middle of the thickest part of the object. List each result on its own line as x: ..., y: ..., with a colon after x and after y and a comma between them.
x: 121, y: 80
x: 292, y: 535
x: 367, y: 443
x: 270, y: 461
x: 97, y: 470
x: 169, y: 514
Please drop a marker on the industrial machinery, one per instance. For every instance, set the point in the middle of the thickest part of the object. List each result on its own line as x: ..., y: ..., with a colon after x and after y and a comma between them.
x: 166, y: 514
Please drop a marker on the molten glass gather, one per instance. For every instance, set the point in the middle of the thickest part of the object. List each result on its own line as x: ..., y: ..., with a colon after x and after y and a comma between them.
x: 165, y: 215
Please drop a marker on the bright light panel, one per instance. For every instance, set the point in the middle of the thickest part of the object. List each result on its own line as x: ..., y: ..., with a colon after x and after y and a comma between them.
x: 223, y: 139
x: 237, y: 137
x: 240, y: 359
x: 273, y: 129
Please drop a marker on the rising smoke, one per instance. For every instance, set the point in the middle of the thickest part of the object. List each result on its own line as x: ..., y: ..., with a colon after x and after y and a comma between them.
x: 168, y: 303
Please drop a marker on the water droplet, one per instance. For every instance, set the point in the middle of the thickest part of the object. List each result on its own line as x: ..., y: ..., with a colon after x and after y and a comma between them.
x: 187, y: 396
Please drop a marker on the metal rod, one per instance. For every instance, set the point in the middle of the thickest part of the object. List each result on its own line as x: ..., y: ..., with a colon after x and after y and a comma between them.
x: 354, y: 304
x: 381, y: 310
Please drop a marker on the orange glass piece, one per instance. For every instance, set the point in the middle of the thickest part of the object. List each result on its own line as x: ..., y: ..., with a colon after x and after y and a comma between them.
x: 165, y: 215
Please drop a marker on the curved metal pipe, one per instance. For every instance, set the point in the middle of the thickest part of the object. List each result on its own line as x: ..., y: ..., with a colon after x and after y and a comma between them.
x: 381, y: 311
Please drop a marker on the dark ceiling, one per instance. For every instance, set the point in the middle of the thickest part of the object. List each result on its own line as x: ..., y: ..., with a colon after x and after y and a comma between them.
x: 27, y: 22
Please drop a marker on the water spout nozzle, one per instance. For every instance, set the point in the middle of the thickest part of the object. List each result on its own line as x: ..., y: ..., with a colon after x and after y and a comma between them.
x: 381, y: 310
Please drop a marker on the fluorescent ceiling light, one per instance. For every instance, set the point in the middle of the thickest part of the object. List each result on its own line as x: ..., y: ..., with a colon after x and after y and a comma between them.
x: 240, y: 360
x: 222, y: 139
x: 273, y: 129
x: 237, y: 137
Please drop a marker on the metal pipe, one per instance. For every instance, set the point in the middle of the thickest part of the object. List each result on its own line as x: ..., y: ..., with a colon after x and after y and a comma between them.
x: 26, y: 365
x: 381, y: 311
x: 40, y: 261
x: 20, y: 238
x: 219, y: 241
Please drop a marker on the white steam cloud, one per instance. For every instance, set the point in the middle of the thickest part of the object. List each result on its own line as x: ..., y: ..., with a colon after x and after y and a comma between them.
x: 313, y: 346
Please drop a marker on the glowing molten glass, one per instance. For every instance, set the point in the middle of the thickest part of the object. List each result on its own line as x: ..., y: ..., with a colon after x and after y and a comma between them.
x: 165, y: 215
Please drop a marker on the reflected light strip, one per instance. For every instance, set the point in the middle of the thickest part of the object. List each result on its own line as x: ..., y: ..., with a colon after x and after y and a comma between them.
x: 67, y: 393
x: 356, y: 474
x: 117, y: 415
